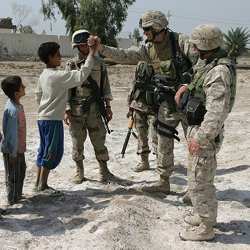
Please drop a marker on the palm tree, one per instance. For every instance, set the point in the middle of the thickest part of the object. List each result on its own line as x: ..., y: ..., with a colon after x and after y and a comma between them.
x: 236, y: 41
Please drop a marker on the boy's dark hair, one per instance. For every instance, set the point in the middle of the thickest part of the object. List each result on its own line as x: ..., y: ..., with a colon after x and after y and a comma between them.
x: 47, y: 49
x: 10, y: 85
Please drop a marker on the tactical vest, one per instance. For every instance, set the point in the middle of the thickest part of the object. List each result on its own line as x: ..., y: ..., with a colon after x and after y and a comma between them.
x: 166, y: 59
x: 196, y: 98
x: 82, y: 97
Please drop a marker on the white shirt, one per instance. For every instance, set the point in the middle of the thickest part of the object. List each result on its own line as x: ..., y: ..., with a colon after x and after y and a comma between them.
x: 52, y: 89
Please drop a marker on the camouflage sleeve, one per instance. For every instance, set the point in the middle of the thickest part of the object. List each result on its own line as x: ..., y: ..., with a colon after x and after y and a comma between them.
x: 217, y: 90
x: 68, y: 67
x: 106, y: 86
x: 125, y: 56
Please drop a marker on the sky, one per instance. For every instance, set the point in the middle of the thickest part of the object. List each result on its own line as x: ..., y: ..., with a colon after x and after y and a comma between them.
x: 184, y: 14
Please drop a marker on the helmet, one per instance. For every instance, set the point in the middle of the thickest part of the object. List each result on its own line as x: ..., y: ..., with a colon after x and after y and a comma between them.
x: 155, y: 19
x: 79, y: 37
x: 207, y: 37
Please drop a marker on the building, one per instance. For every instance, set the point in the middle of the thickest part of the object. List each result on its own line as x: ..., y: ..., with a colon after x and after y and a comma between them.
x: 6, y: 25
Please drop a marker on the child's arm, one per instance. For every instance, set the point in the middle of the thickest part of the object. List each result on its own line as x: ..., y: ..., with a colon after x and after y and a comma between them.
x: 10, y: 140
x: 74, y: 78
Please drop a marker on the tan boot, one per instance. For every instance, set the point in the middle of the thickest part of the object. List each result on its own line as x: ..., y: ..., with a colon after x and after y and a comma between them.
x: 200, y: 233
x: 195, y: 220
x: 143, y: 164
x: 105, y: 174
x: 79, y: 177
x: 186, y: 199
x: 163, y: 186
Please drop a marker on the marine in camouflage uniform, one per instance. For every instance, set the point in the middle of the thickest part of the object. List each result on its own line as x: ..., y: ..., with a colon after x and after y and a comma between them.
x: 144, y: 119
x: 158, y: 51
x: 84, y: 115
x: 211, y: 93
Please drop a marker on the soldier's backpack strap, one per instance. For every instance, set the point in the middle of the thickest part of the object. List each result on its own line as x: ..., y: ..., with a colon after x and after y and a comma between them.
x: 102, y: 80
x: 179, y: 59
x: 174, y: 43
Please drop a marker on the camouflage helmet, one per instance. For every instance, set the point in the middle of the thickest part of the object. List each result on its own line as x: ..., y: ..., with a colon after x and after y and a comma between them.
x: 80, y: 37
x: 155, y: 19
x: 207, y: 37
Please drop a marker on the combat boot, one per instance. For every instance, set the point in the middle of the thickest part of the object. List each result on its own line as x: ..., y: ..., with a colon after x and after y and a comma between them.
x: 105, y: 174
x: 79, y: 177
x: 162, y: 186
x: 201, y: 233
x: 195, y: 220
x: 143, y: 164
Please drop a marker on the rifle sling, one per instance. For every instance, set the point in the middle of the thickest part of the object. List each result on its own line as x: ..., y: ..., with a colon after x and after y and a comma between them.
x: 166, y: 134
x: 166, y: 130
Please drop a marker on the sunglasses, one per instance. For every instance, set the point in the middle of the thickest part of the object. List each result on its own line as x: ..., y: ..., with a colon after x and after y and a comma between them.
x: 81, y: 38
x: 146, y: 29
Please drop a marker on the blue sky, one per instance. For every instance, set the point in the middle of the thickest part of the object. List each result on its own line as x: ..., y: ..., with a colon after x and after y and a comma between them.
x: 185, y: 14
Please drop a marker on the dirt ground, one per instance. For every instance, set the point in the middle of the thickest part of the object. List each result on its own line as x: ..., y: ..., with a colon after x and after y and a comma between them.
x: 117, y: 216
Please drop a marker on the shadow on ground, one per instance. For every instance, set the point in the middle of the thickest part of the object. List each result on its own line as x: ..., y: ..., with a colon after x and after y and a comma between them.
x: 234, y: 232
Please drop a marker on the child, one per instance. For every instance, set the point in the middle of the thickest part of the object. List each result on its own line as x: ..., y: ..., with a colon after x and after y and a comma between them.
x: 51, y: 95
x: 14, y: 138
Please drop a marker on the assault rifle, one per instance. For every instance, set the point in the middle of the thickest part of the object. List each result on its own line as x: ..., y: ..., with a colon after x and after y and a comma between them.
x: 130, y: 131
x: 98, y: 95
x: 100, y: 101
x: 165, y: 90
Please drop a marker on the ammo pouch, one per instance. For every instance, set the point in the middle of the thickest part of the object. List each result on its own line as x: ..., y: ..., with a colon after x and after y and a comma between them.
x: 80, y: 107
x: 143, y: 89
x: 164, y: 91
x: 193, y: 108
x: 143, y: 93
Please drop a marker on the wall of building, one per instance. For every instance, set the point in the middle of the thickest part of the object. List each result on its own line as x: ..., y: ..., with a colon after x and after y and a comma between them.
x: 27, y: 44
x: 6, y: 31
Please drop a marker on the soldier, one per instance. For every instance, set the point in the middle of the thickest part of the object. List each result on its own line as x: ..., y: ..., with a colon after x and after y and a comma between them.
x: 209, y: 100
x: 83, y: 113
x: 166, y: 52
x: 144, y: 117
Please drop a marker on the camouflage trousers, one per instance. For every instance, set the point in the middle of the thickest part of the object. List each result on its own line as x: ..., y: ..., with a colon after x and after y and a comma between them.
x: 144, y: 124
x: 201, y: 172
x: 165, y: 149
x: 218, y: 144
x: 91, y: 123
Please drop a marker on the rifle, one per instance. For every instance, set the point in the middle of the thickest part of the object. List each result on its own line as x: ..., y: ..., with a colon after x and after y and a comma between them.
x: 98, y: 95
x: 130, y: 131
x: 99, y: 99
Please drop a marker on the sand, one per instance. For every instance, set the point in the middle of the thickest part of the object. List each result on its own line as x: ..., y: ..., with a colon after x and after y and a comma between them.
x: 118, y: 216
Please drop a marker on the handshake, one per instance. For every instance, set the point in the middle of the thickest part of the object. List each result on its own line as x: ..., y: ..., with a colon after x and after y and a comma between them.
x: 94, y: 43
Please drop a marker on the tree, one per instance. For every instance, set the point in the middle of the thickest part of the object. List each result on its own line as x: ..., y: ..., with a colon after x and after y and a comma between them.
x: 137, y: 36
x: 26, y: 29
x: 102, y: 17
x: 236, y: 41
x: 20, y: 13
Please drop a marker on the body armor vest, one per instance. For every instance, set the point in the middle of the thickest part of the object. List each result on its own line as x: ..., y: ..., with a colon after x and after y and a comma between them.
x: 193, y: 102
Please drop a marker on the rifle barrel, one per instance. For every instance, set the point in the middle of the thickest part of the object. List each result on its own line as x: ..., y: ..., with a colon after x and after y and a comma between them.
x: 125, y: 144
